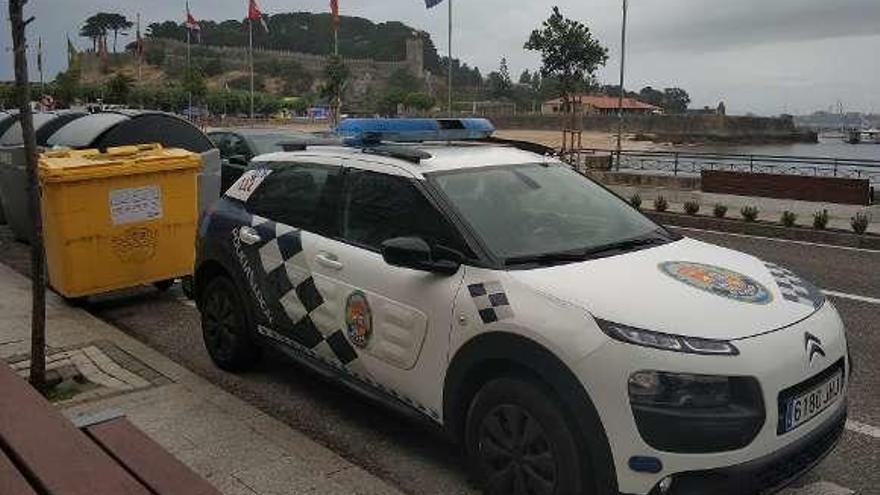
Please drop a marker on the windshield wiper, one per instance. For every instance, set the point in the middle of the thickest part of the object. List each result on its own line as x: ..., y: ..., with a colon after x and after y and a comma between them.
x: 548, y: 258
x: 628, y: 245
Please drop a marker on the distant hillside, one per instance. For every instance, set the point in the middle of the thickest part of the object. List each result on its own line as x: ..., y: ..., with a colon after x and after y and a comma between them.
x: 310, y: 33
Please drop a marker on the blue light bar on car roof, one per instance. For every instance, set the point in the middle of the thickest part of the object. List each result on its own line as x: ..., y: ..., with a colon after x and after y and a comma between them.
x: 360, y: 132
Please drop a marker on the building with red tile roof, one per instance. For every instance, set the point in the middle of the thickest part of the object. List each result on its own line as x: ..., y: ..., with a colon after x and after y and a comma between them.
x: 601, y: 105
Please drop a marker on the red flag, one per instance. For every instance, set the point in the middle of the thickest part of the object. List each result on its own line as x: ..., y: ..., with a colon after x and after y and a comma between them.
x: 254, y: 14
x: 334, y: 9
x: 191, y: 22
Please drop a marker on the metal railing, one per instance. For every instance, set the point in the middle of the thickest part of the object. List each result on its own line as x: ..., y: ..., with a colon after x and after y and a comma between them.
x: 692, y: 163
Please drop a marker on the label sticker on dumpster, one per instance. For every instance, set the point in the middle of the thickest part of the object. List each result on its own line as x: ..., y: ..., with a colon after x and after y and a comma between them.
x: 139, y: 204
x: 249, y: 181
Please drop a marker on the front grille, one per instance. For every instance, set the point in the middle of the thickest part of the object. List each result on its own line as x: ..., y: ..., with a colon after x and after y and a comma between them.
x: 777, y: 474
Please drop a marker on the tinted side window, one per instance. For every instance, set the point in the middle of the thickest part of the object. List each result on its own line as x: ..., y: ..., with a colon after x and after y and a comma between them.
x: 302, y: 196
x: 379, y: 207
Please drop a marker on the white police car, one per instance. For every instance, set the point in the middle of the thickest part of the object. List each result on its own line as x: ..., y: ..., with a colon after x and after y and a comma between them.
x: 571, y: 344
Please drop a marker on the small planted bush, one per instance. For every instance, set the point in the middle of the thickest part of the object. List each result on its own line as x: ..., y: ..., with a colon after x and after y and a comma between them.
x: 820, y: 220
x: 720, y: 211
x: 789, y: 218
x: 691, y: 207
x: 749, y: 213
x: 860, y: 223
x: 636, y: 201
x: 660, y: 204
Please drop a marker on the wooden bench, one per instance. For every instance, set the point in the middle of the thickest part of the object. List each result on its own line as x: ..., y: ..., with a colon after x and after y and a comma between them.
x: 43, y: 453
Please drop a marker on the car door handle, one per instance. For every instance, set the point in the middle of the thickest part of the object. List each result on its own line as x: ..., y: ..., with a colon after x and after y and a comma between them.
x: 249, y: 236
x: 328, y: 260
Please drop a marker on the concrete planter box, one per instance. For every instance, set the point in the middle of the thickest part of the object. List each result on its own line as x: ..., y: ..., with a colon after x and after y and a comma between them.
x: 766, y: 229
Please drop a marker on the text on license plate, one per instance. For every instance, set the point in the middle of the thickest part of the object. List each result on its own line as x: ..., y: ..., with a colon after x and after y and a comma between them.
x: 806, y: 406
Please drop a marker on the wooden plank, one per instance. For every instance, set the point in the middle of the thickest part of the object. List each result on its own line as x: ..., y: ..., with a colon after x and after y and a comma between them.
x: 11, y: 481
x: 60, y: 459
x: 151, y: 464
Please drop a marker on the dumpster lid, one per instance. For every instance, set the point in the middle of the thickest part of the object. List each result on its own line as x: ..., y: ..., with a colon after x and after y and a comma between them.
x: 77, y: 165
x: 127, y: 127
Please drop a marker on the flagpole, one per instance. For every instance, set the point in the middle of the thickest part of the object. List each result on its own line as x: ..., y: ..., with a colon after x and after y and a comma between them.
x: 188, y: 68
x: 40, y: 60
x: 251, y: 61
x: 139, y: 49
x: 449, y: 69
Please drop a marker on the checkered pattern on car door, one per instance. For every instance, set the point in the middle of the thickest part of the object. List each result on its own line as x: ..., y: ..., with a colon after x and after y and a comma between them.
x: 297, y: 305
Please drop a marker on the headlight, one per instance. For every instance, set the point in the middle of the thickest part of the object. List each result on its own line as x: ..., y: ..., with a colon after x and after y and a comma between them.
x: 678, y: 390
x: 667, y: 342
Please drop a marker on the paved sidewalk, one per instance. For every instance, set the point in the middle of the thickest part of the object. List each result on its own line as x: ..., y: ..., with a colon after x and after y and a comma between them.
x: 233, y: 445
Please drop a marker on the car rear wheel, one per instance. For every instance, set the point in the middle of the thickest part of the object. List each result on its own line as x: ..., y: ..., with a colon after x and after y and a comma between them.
x: 226, y: 328
x: 519, y: 442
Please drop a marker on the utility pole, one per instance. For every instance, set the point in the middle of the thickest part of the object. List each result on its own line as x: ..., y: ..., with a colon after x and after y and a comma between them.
x: 38, y: 257
x: 622, y: 73
x: 449, y: 84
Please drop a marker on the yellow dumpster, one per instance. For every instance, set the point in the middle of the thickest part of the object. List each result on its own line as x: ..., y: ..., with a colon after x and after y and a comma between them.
x: 118, y: 219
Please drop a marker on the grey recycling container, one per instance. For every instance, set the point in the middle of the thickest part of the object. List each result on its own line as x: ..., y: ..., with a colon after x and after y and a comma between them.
x: 125, y: 127
x: 13, y: 192
x: 7, y: 119
x: 13, y: 171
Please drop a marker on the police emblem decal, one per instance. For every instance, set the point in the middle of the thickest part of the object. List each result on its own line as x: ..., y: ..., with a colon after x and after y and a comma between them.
x: 719, y: 281
x: 358, y: 319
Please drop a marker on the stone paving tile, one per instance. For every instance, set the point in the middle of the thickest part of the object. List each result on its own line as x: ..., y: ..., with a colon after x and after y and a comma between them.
x: 108, y: 366
x: 285, y: 476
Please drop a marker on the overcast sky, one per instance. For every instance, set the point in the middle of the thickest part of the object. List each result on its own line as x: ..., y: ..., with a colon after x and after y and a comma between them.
x: 762, y: 56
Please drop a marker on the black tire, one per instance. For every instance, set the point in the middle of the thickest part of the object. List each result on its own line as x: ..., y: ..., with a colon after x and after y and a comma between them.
x: 519, y: 442
x: 226, y: 327
x: 187, y: 285
x: 164, y: 285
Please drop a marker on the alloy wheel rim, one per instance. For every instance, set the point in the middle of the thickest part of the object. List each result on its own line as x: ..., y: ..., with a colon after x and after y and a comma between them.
x: 220, y: 323
x: 516, y: 454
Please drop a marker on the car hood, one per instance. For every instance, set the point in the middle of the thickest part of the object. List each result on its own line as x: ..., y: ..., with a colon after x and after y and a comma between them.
x: 686, y: 288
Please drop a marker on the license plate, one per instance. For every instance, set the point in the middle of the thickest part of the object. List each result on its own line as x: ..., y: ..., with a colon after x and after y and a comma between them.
x: 806, y: 406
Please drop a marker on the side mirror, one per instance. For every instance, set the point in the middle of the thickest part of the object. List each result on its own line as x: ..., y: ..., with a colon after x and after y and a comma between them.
x: 239, y: 160
x: 415, y: 253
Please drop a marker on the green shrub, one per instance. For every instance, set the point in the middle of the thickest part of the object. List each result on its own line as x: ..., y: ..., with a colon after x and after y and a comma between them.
x: 660, y: 204
x: 749, y: 213
x: 820, y: 220
x: 789, y: 218
x: 636, y: 201
x: 691, y: 207
x: 720, y: 211
x: 860, y: 223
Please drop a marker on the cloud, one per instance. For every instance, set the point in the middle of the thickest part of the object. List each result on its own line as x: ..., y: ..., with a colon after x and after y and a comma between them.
x: 752, y: 53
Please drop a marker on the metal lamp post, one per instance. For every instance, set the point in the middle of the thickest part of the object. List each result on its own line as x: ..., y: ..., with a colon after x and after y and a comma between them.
x: 622, y: 74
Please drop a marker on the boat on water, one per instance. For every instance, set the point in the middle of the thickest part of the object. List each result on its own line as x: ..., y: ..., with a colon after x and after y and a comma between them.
x: 863, y: 136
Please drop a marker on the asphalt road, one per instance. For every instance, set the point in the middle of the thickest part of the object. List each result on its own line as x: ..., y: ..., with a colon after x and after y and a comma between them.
x: 418, y: 460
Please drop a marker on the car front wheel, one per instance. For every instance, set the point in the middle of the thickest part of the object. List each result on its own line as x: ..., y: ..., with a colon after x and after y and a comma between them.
x: 226, y: 328
x: 519, y: 442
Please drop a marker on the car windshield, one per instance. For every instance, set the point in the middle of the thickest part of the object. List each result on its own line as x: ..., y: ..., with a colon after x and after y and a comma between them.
x: 537, y: 212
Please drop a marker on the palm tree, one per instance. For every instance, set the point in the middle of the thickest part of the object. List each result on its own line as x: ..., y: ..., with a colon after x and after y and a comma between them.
x: 92, y: 30
x: 116, y: 23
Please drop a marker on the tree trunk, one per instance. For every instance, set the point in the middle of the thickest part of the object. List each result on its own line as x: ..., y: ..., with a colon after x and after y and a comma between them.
x: 38, y: 258
x: 115, y: 36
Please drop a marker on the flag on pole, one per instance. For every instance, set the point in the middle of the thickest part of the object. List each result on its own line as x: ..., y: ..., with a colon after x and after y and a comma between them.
x: 432, y: 3
x: 254, y: 14
x: 191, y: 22
x: 139, y: 40
x: 334, y: 9
x: 71, y: 52
x: 40, y: 55
x: 192, y: 25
